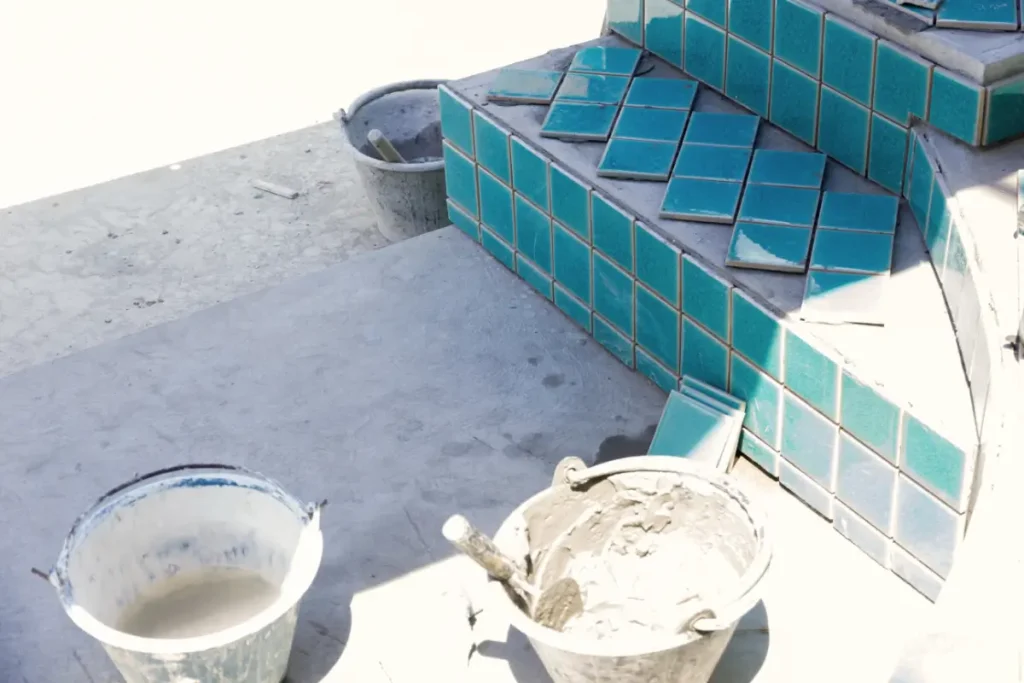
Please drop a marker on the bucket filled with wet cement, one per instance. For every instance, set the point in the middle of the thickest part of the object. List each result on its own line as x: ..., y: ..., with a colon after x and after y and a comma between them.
x: 668, y: 556
x: 192, y: 573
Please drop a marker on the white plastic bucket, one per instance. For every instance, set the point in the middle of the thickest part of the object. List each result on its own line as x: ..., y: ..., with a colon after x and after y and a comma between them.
x: 188, y: 521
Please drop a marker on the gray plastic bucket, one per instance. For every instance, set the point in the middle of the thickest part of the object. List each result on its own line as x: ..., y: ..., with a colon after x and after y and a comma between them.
x: 407, y: 199
x: 707, y: 506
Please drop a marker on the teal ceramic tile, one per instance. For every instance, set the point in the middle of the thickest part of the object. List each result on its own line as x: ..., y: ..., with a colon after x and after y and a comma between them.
x: 866, y: 483
x: 747, y: 75
x: 613, y: 294
x: 804, y: 488
x: 689, y: 430
x: 592, y: 88
x: 616, y: 344
x: 456, y: 120
x: 843, y: 130
x: 637, y: 159
x: 642, y: 123
x: 529, y: 173
x: 533, y: 233
x: 575, y: 309
x: 796, y: 206
x: 713, y: 10
x: 757, y: 334
x: 859, y: 211
x: 663, y: 30
x: 718, y: 399
x: 664, y: 93
x: 535, y: 277
x: 759, y: 453
x: 923, y: 580
x: 887, y: 153
x: 934, y: 462
x: 922, y: 177
x: 626, y: 17
x: 579, y: 121
x: 849, y: 59
x: 851, y: 251
x: 798, y: 35
x: 870, y: 417
x: 979, y: 15
x: 712, y: 162
x: 463, y: 221
x: 661, y: 376
x: 760, y: 246
x: 940, y: 221
x: 839, y: 298
x: 751, y: 20
x: 794, y: 106
x: 570, y: 202
x: 903, y: 84
x: 606, y: 59
x: 763, y: 396
x: 703, y: 356
x: 866, y: 537
x: 460, y: 180
x: 730, y: 130
x: 526, y: 86
x: 956, y: 106
x: 492, y: 147
x: 794, y: 169
x: 496, y: 206
x: 1004, y: 111
x: 706, y: 298
x: 925, y: 527
x: 708, y: 201
x: 813, y: 376
x: 657, y: 264
x: 809, y: 441
x: 612, y: 230
x: 955, y: 272
x: 704, y: 50
x: 657, y: 328
x: 498, y: 249
x: 572, y: 263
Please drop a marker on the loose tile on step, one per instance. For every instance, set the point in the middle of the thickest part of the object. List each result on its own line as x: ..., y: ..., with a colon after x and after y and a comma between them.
x: 851, y: 251
x: 793, y: 169
x: 663, y: 93
x: 857, y: 211
x: 712, y: 128
x: 592, y: 88
x: 709, y: 201
x: 712, y: 162
x: 979, y: 15
x: 760, y: 246
x: 690, y: 430
x: 839, y: 298
x: 777, y: 205
x: 579, y: 121
x: 637, y: 159
x: 644, y: 123
x: 526, y: 86
x: 601, y: 59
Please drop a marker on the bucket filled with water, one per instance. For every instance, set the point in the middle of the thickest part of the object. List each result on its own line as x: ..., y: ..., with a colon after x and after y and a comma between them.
x: 192, y: 573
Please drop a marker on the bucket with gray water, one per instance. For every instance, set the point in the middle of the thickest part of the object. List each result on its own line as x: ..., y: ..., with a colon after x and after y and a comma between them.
x: 669, y: 556
x: 408, y: 199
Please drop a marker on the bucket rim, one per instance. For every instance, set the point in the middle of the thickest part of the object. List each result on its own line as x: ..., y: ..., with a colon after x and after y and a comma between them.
x: 725, y: 618
x: 309, y: 547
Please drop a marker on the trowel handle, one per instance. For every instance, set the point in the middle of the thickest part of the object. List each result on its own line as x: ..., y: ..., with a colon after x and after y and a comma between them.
x: 479, y: 548
x: 384, y: 147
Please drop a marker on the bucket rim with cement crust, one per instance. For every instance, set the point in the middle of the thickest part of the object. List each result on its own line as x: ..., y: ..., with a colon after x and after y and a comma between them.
x: 726, y: 614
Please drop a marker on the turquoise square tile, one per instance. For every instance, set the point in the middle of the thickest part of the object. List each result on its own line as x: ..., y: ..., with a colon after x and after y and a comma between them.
x: 763, y: 396
x: 712, y: 162
x: 703, y: 356
x: 798, y: 35
x: 757, y: 334
x: 759, y: 453
x: 866, y: 483
x: 922, y: 177
x: 692, y: 385
x: 859, y: 211
x: 1004, y: 112
x: 579, y: 121
x: 524, y: 86
x: 804, y: 488
x: 903, y: 83
x: 456, y: 120
x: 843, y: 130
x: 572, y: 263
x: 870, y: 417
x: 956, y: 106
x: 575, y: 309
x: 637, y: 159
x: 665, y: 93
x: 849, y: 59
x: 844, y: 298
x: 657, y: 328
x: 642, y: 123
x: 657, y: 264
x: 661, y: 376
x: 751, y: 20
x: 460, y: 180
x: 760, y: 246
x: 934, y: 462
x: 626, y: 17
x: 980, y: 16
x: 612, y: 230
x: 708, y: 201
x: 704, y: 49
x: 492, y: 147
x: 809, y: 441
x: 730, y: 130
x: 923, y: 580
x: 570, y: 202
x: 747, y: 75
x: 713, y: 10
x: 616, y: 344
x: 855, y: 529
x: 463, y: 221
x: 796, y: 206
x: 940, y: 221
x: 925, y: 527
x: 813, y: 376
x: 533, y: 233
x: 794, y: 106
x: 496, y: 206
x: 613, y: 294
x: 706, y: 298
x: 592, y: 88
x: 663, y: 31
x: 529, y: 174
x: 498, y: 249
x: 535, y: 277
x: 606, y: 59
x: 887, y: 153
x: 852, y: 251
x: 688, y: 429
x: 793, y: 169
